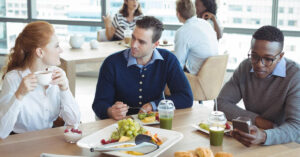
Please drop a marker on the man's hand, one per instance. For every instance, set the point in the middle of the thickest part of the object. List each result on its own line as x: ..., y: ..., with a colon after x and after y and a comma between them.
x: 255, y: 137
x: 118, y: 111
x: 263, y: 123
x: 146, y: 108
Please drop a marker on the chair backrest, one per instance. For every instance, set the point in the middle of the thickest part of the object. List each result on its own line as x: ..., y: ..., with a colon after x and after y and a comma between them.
x: 207, y: 84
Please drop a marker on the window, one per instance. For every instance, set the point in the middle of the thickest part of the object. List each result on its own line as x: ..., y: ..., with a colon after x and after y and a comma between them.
x: 240, y: 18
x: 281, y: 10
x: 232, y: 14
x: 67, y: 10
x: 291, y: 17
x: 291, y: 10
x: 237, y: 20
x: 249, y: 8
x: 235, y: 8
x: 292, y: 23
x: 237, y: 50
x: 280, y: 22
x: 11, y: 8
x: 292, y: 48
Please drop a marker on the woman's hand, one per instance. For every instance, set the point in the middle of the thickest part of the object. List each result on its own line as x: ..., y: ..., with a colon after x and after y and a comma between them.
x: 107, y: 20
x: 208, y: 15
x: 58, y: 78
x: 27, y: 84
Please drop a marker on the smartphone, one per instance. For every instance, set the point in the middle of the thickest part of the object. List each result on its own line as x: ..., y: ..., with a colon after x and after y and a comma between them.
x: 241, y: 125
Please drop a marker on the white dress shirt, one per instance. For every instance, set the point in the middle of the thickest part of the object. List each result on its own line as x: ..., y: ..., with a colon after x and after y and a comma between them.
x: 37, y: 110
x: 195, y: 41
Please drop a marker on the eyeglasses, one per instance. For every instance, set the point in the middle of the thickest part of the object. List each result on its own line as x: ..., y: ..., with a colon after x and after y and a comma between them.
x: 264, y: 60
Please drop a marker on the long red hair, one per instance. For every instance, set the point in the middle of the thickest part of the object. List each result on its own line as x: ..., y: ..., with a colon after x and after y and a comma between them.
x: 34, y: 35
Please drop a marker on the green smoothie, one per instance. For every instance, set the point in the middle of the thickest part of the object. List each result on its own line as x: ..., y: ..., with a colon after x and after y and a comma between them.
x: 165, y: 123
x: 216, y: 136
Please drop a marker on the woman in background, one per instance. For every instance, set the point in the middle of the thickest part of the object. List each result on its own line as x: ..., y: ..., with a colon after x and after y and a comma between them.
x: 126, y: 18
x: 25, y: 105
x: 207, y: 10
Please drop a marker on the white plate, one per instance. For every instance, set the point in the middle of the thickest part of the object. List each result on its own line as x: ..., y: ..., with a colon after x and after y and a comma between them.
x: 135, y: 117
x: 206, y: 131
x: 94, y: 140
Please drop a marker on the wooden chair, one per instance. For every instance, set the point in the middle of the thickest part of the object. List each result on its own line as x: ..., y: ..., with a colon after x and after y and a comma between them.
x: 207, y: 84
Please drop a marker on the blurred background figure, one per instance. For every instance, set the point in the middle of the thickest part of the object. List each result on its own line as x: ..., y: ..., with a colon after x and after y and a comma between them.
x: 195, y: 40
x: 207, y: 9
x: 125, y: 19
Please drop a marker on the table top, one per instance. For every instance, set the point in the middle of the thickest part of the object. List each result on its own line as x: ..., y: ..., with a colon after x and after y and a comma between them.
x: 52, y: 140
x: 104, y: 50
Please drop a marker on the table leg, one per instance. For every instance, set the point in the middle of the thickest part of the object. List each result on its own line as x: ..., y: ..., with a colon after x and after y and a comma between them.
x: 70, y: 68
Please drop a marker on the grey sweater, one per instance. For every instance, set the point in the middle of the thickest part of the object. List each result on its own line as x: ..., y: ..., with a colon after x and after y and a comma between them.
x: 274, y: 98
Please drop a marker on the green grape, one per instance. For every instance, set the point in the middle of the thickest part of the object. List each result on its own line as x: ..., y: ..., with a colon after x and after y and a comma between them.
x: 129, y: 133
x: 127, y: 127
x: 132, y: 128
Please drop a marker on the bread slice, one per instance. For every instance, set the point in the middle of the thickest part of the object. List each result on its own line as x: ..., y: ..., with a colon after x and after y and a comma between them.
x: 183, y: 154
x: 204, y: 152
x: 223, y: 154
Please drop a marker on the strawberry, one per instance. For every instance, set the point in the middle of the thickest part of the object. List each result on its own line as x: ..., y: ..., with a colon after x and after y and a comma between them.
x: 79, y: 132
x: 103, y: 141
x: 67, y: 130
x: 72, y: 130
x: 227, y: 126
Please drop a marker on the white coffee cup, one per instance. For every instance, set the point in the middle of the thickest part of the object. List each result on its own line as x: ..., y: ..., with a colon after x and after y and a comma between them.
x: 94, y: 44
x: 76, y: 41
x: 43, y: 77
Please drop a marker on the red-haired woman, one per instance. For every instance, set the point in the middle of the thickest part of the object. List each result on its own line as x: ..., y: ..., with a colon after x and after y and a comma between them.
x: 24, y: 104
x: 126, y: 18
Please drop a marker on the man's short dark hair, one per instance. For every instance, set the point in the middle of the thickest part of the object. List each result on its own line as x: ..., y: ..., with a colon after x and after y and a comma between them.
x: 269, y: 33
x: 150, y: 22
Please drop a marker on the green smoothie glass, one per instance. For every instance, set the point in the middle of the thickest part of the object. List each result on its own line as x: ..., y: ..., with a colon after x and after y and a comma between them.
x: 216, y: 123
x: 166, y: 113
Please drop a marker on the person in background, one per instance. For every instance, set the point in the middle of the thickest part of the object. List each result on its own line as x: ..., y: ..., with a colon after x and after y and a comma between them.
x: 137, y: 77
x: 125, y: 19
x: 207, y: 9
x: 269, y: 85
x: 195, y: 40
x: 25, y: 105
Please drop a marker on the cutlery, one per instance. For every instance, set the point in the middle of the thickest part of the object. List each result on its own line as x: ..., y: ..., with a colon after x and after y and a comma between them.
x: 143, y: 144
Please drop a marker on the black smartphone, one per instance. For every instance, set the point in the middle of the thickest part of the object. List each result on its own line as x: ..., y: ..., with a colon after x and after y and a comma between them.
x: 241, y: 125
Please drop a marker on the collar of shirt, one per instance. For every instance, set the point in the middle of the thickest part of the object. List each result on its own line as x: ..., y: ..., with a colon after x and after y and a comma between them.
x: 280, y: 69
x: 132, y: 60
x: 191, y: 19
x: 25, y: 72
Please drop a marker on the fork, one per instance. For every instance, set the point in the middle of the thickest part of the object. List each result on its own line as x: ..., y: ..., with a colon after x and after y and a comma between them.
x: 137, y: 108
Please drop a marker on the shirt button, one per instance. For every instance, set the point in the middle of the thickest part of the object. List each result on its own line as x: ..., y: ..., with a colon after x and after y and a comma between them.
x: 143, y: 75
x: 140, y: 103
x: 141, y: 82
x: 145, y: 69
x: 140, y: 97
x: 140, y: 90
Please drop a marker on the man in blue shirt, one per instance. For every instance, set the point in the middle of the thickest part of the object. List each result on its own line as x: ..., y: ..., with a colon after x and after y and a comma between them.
x: 136, y: 77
